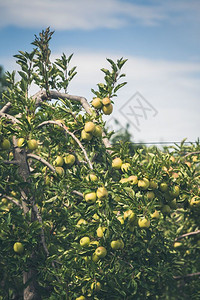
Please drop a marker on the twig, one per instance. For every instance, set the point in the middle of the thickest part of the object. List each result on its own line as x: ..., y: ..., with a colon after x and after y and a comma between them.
x: 77, y: 193
x: 187, y: 234
x: 12, y: 200
x: 192, y: 153
x: 42, y: 160
x: 72, y: 135
x: 187, y: 276
x: 5, y: 107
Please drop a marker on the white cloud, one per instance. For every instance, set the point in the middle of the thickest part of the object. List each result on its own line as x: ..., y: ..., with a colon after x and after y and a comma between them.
x: 91, y: 14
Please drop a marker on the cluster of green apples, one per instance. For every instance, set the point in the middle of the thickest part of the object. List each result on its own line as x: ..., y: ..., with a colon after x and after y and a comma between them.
x: 104, y: 104
x: 31, y: 144
x: 68, y: 160
x: 91, y: 129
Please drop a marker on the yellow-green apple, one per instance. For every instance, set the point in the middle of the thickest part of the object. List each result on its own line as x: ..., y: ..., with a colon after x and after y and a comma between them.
x: 97, y: 103
x: 102, y: 193
x: 18, y: 247
x: 91, y: 177
x: 85, y: 241
x: 115, y: 245
x: 143, y: 223
x: 107, y: 109
x: 32, y: 144
x: 106, y: 101
x: 117, y: 163
x: 155, y: 214
x: 101, y: 252
x: 60, y: 171
x: 59, y: 161
x: 89, y: 127
x: 86, y: 136
x: 163, y: 186
x: 90, y: 197
x: 5, y: 144
x: 20, y: 142
x: 69, y: 160
x: 97, y: 131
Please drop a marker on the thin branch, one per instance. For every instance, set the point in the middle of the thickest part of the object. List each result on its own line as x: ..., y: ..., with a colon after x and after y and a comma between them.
x: 192, y: 153
x: 72, y: 135
x: 187, y: 234
x: 42, y: 160
x: 187, y: 276
x: 77, y: 193
x: 12, y: 200
x: 5, y: 107
x: 11, y: 118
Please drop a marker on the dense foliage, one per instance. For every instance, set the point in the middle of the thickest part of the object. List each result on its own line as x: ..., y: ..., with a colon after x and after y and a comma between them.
x: 79, y: 218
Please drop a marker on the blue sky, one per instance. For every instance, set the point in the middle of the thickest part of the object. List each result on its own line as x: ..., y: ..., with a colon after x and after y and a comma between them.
x: 159, y: 38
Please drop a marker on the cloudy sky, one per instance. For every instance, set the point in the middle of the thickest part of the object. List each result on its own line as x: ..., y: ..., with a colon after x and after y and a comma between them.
x: 160, y: 39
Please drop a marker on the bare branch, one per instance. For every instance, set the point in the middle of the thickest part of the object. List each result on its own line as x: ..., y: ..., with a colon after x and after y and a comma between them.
x: 12, y: 200
x: 187, y: 234
x: 11, y: 118
x: 3, y: 110
x: 77, y: 193
x: 42, y: 160
x: 192, y: 153
x: 72, y: 135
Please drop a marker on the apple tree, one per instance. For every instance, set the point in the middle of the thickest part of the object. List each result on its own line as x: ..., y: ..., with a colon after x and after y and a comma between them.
x: 81, y: 218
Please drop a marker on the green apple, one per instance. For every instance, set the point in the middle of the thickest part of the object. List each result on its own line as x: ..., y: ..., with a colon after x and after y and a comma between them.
x: 90, y: 197
x: 4, y: 201
x: 97, y: 103
x: 125, y: 167
x: 143, y: 183
x: 32, y: 144
x: 60, y: 171
x: 115, y: 245
x: 174, y: 192
x: 166, y: 209
x: 116, y: 163
x: 106, y: 101
x: 5, y: 144
x: 101, y: 252
x: 102, y: 193
x: 178, y: 244
x: 86, y: 136
x: 59, y: 161
x: 91, y: 177
x: 96, y: 286
x: 89, y: 127
x: 100, y: 231
x: 18, y: 247
x: 85, y: 241
x: 97, y: 131
x: 143, y: 223
x: 107, y: 110
x: 95, y: 258
x: 163, y: 186
x: 69, y: 160
x: 20, y: 142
